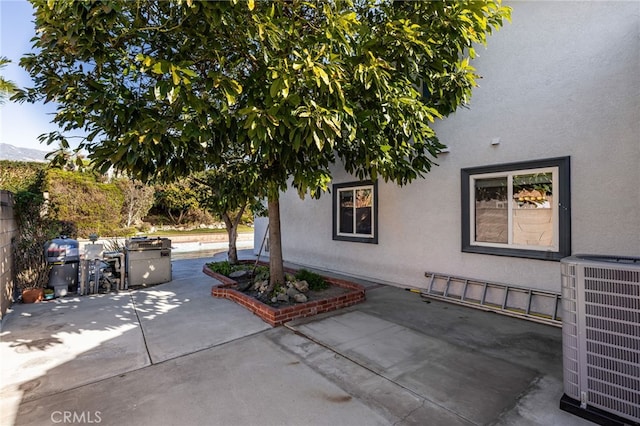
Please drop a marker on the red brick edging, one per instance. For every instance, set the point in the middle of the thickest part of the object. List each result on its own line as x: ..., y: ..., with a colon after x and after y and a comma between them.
x: 278, y: 316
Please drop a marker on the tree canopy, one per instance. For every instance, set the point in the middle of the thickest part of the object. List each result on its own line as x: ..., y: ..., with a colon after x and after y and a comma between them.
x: 167, y: 88
x: 7, y: 87
x: 228, y: 191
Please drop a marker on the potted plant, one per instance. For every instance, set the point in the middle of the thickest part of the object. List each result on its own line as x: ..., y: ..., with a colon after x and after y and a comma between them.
x: 32, y: 295
x: 31, y: 269
x: 30, y: 264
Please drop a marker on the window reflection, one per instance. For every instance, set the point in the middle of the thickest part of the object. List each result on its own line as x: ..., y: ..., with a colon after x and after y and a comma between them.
x: 492, y: 220
x: 532, y: 214
x: 346, y: 212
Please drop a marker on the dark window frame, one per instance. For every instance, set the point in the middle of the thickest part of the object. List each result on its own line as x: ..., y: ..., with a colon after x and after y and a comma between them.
x: 336, y: 205
x: 563, y: 203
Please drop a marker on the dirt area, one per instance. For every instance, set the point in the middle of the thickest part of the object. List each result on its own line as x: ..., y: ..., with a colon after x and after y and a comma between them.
x: 312, y: 295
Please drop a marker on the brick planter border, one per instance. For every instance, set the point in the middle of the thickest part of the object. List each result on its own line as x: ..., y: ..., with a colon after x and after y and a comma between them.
x: 278, y: 316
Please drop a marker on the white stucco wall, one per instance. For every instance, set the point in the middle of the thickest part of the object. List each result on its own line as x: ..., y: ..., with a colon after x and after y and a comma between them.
x: 260, y: 235
x: 563, y: 79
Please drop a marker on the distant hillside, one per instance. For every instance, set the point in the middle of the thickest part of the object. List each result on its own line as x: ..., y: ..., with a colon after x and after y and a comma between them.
x: 14, y: 153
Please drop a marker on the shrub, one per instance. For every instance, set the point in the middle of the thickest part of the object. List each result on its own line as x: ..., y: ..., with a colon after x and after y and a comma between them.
x: 315, y: 281
x: 113, y: 244
x: 94, y: 207
x: 225, y: 268
x: 196, y: 216
x: 34, y: 229
x: 262, y: 273
x: 18, y: 176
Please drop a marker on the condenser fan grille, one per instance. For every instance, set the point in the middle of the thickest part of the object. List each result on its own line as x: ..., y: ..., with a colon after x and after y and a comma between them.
x: 601, y: 339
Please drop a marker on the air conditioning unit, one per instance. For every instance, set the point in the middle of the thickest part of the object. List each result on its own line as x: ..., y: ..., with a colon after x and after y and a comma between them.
x: 601, y: 338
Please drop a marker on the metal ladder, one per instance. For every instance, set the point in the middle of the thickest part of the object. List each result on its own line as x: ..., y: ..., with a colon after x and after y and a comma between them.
x: 534, y: 305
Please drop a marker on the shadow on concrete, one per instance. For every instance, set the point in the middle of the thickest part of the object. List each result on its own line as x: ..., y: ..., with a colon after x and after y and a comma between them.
x: 53, y: 346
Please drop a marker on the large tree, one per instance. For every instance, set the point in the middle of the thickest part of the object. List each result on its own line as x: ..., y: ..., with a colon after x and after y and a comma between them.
x: 138, y: 200
x: 229, y: 191
x: 177, y: 199
x: 166, y: 88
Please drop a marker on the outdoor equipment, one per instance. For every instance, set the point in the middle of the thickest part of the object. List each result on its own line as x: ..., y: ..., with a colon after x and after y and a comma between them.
x: 148, y: 261
x: 63, y: 256
x: 601, y: 338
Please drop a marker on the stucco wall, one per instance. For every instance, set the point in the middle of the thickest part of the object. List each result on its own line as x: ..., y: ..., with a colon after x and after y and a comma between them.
x: 8, y: 229
x: 561, y: 80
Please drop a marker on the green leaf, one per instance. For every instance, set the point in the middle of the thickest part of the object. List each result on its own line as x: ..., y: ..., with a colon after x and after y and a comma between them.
x: 231, y: 98
x: 157, y: 67
x: 235, y: 86
x: 297, y: 141
x: 175, y: 77
x: 188, y: 72
x: 319, y: 142
x: 275, y: 88
x: 319, y: 72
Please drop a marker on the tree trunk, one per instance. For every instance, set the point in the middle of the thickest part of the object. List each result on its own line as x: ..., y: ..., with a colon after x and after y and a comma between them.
x: 181, y: 217
x: 232, y: 233
x: 130, y: 214
x: 276, y: 268
x: 171, y: 217
x: 232, y: 224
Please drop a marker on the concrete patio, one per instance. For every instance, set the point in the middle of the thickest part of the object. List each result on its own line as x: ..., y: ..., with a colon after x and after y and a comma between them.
x: 172, y: 354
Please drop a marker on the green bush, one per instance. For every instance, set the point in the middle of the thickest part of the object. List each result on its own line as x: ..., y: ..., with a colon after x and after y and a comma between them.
x: 262, y: 273
x: 18, y: 176
x: 225, y: 268
x: 315, y: 281
x: 34, y: 230
x: 222, y: 268
x: 93, y: 206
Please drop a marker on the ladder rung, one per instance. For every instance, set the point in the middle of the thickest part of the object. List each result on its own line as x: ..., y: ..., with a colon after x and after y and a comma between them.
x: 506, y: 296
x: 555, y: 308
x: 446, y: 289
x: 464, y: 290
x: 484, y: 294
x: 433, y: 277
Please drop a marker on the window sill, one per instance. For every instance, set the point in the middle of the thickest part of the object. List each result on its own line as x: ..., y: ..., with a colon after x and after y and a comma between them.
x: 527, y: 254
x: 373, y: 240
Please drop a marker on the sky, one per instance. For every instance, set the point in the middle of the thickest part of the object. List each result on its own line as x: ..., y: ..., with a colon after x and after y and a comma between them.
x: 21, y: 124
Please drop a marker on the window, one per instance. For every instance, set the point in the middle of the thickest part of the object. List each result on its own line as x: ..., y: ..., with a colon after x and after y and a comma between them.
x: 355, y: 211
x: 518, y: 209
